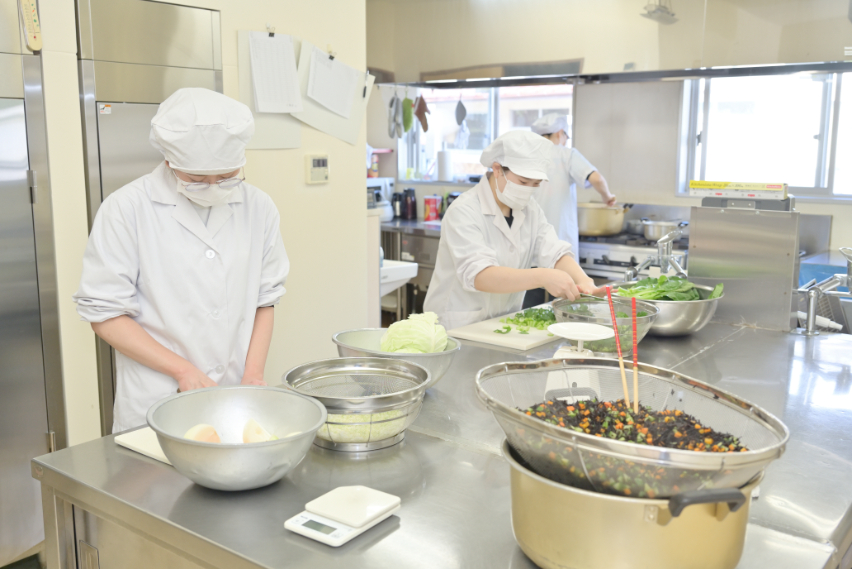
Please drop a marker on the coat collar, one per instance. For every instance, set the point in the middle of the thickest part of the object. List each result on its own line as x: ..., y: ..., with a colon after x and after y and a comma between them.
x: 489, y: 206
x: 162, y: 189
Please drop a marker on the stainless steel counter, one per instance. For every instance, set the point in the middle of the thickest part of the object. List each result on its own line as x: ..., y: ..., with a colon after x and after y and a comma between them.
x: 454, y: 484
x: 412, y: 227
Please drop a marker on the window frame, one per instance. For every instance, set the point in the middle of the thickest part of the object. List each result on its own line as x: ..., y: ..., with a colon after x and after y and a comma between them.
x: 694, y: 140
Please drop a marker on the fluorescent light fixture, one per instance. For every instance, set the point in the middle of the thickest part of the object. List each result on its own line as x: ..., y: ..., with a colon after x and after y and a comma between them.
x: 660, y: 11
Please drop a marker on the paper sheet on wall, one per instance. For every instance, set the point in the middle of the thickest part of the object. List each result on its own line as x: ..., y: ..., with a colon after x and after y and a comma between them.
x: 271, y: 130
x: 331, y: 83
x: 322, y: 119
x: 273, y: 73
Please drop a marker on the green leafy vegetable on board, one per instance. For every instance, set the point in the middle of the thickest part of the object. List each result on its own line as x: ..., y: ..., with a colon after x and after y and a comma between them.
x: 667, y: 288
x: 420, y: 334
x: 538, y: 318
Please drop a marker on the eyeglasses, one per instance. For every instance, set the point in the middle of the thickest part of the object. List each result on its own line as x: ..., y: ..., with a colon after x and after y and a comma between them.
x: 225, y: 184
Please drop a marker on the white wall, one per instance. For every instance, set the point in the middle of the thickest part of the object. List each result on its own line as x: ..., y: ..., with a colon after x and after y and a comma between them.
x: 324, y: 227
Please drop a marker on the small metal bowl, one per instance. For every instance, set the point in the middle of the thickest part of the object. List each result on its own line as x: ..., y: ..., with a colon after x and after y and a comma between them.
x: 366, y: 342
x: 682, y: 317
x: 596, y: 311
x: 370, y: 401
x: 233, y: 465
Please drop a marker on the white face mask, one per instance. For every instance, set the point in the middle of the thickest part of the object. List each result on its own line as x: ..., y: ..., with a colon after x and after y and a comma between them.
x: 514, y: 195
x: 214, y: 195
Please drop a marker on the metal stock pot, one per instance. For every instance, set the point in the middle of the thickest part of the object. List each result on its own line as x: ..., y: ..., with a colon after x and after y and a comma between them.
x: 596, y: 219
x: 562, y: 527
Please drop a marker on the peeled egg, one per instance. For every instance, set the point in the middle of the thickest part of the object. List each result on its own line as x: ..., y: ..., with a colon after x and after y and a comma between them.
x: 203, y: 433
x: 254, y: 433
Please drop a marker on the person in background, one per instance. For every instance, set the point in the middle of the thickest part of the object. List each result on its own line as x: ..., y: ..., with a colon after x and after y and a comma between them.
x: 558, y: 196
x: 184, y: 265
x: 495, y: 234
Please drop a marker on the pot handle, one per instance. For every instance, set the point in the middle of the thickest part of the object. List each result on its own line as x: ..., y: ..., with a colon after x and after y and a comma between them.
x: 732, y: 496
x: 627, y: 206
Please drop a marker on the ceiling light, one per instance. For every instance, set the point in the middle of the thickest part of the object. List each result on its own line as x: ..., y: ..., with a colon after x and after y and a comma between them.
x: 660, y: 11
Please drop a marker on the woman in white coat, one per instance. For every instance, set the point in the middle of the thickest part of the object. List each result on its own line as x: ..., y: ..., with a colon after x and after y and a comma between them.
x: 558, y: 196
x: 494, y: 234
x: 184, y: 265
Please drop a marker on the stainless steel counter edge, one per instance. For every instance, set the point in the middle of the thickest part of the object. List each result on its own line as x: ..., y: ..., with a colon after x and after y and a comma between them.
x: 159, y: 530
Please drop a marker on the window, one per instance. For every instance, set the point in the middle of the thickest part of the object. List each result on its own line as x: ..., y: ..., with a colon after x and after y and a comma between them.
x: 775, y: 128
x: 490, y: 113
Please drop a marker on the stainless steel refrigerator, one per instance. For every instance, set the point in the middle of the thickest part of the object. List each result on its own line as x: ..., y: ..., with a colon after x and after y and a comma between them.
x: 32, y: 412
x: 125, y: 73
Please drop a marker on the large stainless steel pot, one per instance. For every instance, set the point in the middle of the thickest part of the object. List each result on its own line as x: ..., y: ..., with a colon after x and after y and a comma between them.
x: 561, y: 527
x: 656, y: 230
x: 596, y: 219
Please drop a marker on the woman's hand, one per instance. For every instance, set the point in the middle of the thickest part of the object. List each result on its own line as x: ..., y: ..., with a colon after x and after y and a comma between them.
x: 559, y: 284
x: 193, y: 378
x: 590, y: 288
x: 252, y: 379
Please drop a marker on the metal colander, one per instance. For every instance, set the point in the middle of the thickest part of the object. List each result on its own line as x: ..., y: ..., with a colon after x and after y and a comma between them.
x: 370, y: 401
x: 618, y: 467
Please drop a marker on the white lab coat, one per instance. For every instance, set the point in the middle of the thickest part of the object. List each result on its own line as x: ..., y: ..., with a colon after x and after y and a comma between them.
x: 195, y: 289
x: 475, y: 236
x: 558, y: 196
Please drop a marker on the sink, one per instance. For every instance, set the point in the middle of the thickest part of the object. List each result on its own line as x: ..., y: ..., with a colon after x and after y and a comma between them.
x: 394, y: 274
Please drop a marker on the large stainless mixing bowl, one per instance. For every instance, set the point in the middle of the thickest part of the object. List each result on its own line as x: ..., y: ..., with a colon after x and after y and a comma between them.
x: 232, y: 465
x: 679, y: 318
x: 366, y: 342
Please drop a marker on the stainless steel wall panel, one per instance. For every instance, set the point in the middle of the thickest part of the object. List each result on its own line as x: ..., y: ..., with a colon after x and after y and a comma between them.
x: 89, y: 114
x: 216, y: 25
x: 755, y: 254
x: 151, y: 33
x: 11, y: 76
x: 123, y: 144
x: 42, y: 218
x: 23, y: 417
x: 128, y: 83
x: 10, y: 35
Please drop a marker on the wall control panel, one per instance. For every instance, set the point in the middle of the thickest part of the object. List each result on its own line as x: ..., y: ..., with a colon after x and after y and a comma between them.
x: 316, y: 168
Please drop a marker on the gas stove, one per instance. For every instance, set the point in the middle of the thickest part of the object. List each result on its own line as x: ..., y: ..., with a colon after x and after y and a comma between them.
x: 608, y: 257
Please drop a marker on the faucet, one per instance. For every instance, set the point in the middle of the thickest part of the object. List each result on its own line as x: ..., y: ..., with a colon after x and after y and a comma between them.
x: 827, y: 287
x: 663, y: 258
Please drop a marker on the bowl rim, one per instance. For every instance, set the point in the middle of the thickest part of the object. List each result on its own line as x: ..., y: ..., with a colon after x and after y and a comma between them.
x: 418, y: 391
x: 379, y: 353
x: 653, y: 310
x: 160, y: 432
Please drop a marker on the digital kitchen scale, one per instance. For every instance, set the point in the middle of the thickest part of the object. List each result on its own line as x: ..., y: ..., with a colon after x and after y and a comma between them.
x: 342, y: 514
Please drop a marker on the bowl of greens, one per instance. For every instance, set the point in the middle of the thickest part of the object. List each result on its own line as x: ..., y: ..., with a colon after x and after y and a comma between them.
x: 419, y: 340
x: 596, y: 311
x: 685, y: 307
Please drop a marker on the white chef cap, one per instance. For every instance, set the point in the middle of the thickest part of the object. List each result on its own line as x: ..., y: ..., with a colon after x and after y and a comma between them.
x: 202, y: 132
x: 523, y: 152
x: 550, y: 123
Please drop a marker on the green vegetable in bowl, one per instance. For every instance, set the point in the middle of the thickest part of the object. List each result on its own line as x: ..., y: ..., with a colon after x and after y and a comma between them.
x: 363, y: 428
x: 420, y: 334
x: 667, y: 288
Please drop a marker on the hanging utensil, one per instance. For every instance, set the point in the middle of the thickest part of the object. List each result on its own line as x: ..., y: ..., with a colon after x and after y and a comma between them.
x: 461, y: 112
x: 395, y: 117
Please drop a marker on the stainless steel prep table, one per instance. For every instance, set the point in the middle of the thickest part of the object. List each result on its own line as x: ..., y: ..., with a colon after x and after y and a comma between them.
x: 454, y: 485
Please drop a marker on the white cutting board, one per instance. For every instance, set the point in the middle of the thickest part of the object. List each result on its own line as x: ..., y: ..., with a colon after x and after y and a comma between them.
x: 144, y: 441
x: 484, y: 332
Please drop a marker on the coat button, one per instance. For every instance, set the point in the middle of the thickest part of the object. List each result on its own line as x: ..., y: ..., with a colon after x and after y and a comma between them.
x: 215, y: 314
x: 220, y: 369
x: 210, y: 253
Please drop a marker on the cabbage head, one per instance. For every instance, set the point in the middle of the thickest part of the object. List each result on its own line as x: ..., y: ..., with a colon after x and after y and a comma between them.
x: 420, y: 334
